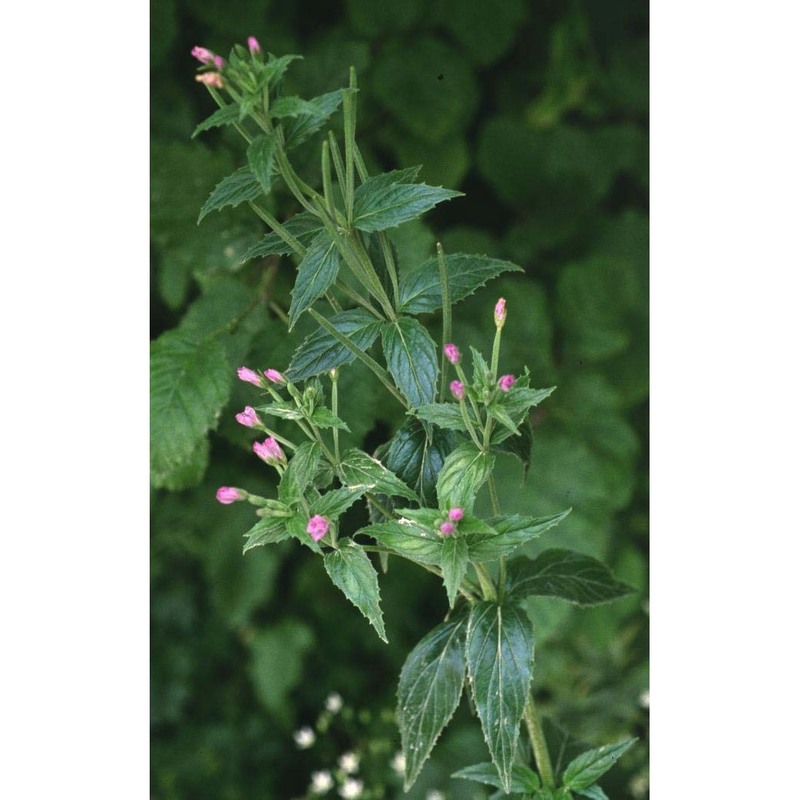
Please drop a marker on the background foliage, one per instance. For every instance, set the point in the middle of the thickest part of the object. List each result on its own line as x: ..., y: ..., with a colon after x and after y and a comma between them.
x: 538, y: 112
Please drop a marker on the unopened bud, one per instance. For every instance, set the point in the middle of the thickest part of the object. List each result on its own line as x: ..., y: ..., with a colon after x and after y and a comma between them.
x: 230, y: 494
x: 456, y: 514
x: 248, y: 376
x: 248, y: 417
x: 457, y: 389
x: 446, y: 528
x: 506, y: 382
x: 203, y: 54
x: 253, y: 45
x: 274, y: 376
x: 317, y: 527
x: 269, y: 450
x: 213, y: 79
x: 500, y: 313
x: 452, y: 353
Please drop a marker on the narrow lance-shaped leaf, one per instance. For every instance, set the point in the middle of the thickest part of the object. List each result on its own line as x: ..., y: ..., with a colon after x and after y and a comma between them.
x: 421, y: 290
x: 455, y: 560
x: 351, y: 570
x: 316, y: 274
x: 378, y: 207
x: 298, y: 129
x: 266, y: 531
x: 358, y: 469
x: 260, y: 157
x: 222, y: 116
x: 300, y: 473
x: 411, y: 358
x: 565, y: 574
x: 500, y: 664
x: 523, y: 779
x: 584, y: 770
x: 429, y: 691
x: 237, y: 188
x: 445, y: 415
x: 304, y: 227
x: 513, y: 530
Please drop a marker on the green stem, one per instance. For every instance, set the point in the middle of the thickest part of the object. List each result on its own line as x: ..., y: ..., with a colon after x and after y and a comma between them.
x: 334, y: 373
x: 465, y: 416
x: 349, y: 110
x: 538, y: 744
x: 447, y: 318
x: 496, y: 352
x: 327, y: 188
x: 338, y: 165
x: 493, y: 496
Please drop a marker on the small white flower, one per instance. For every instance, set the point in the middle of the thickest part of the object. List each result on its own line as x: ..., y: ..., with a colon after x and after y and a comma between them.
x: 434, y: 794
x: 644, y: 699
x: 333, y: 702
x: 349, y: 763
x: 304, y: 738
x: 399, y: 762
x: 321, y: 781
x: 351, y: 788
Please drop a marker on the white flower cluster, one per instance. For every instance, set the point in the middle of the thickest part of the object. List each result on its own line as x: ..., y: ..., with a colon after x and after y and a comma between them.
x: 304, y: 738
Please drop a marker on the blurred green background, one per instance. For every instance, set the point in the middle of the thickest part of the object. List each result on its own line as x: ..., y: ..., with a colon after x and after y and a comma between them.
x: 539, y: 113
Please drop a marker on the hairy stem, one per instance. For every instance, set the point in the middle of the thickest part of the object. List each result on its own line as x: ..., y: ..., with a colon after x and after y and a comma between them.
x: 538, y: 744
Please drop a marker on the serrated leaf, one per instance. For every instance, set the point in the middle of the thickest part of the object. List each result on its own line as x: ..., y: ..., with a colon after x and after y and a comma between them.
x: 445, y: 415
x: 222, y: 116
x: 497, y: 412
x: 411, y: 359
x: 523, y: 779
x: 260, y: 157
x: 291, y: 107
x: 421, y: 290
x: 335, y: 502
x: 325, y: 418
x: 593, y: 792
x: 520, y: 399
x: 321, y: 352
x: 584, y: 770
x: 351, y: 571
x: 570, y: 576
x: 378, y: 207
x: 299, y: 128
x: 237, y: 188
x: 463, y: 473
x: 385, y: 179
x: 481, y: 373
x: 513, y: 530
x: 299, y: 474
x: 360, y: 470
x: 500, y: 664
x: 454, y: 562
x: 304, y: 227
x: 190, y: 381
x: 316, y: 274
x: 410, y: 540
x: 266, y: 531
x: 429, y: 691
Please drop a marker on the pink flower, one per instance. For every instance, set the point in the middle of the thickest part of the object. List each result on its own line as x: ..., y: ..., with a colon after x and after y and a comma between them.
x: 219, y: 62
x: 275, y: 376
x: 317, y: 527
x: 452, y: 353
x: 457, y: 388
x: 210, y: 79
x: 500, y: 313
x: 248, y: 376
x: 229, y: 494
x: 253, y: 44
x: 203, y: 55
x: 456, y: 514
x: 506, y: 382
x: 248, y: 417
x: 269, y: 450
x: 446, y: 528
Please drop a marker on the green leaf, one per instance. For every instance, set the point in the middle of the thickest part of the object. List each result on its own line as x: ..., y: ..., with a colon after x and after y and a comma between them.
x: 296, y: 526
x: 260, y: 157
x: 429, y: 691
x: 190, y: 381
x: 584, y: 770
x: 359, y: 470
x: 417, y: 457
x: 237, y: 188
x: 593, y: 792
x: 351, y: 570
x: 386, y: 179
x: 497, y: 412
x: 413, y: 541
x: 321, y: 352
x: 284, y: 409
x: 571, y: 576
x: 421, y: 290
x: 519, y: 446
x: 266, y: 531
x: 316, y: 274
x: 481, y: 374
x: 304, y: 227
x: 520, y: 399
x: 334, y: 503
x: 300, y: 473
x: 523, y: 779
x: 299, y: 128
x: 411, y: 358
x: 376, y: 208
x: 222, y: 116
x: 455, y: 559
x: 500, y: 663
x: 445, y: 415
x: 513, y: 530
x: 463, y: 473
x: 291, y: 107
x: 325, y: 418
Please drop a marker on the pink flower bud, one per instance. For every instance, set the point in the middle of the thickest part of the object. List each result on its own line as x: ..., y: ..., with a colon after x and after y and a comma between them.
x: 500, y: 312
x: 210, y: 79
x: 203, y: 55
x: 317, y: 527
x: 219, y: 62
x: 457, y: 388
x: 275, y: 376
x: 506, y: 382
x: 248, y: 417
x: 229, y: 494
x: 253, y: 44
x: 452, y: 353
x: 446, y: 528
x: 269, y: 450
x: 456, y: 514
x: 248, y: 376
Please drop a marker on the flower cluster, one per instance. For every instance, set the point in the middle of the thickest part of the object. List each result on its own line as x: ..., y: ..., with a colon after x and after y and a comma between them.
x: 454, y: 516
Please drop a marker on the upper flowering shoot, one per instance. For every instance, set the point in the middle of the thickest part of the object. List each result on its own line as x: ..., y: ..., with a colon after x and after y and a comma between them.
x: 457, y: 389
x: 506, y: 382
x: 248, y: 417
x: 317, y: 527
x: 274, y: 376
x: 452, y: 353
x: 500, y: 313
x: 230, y: 494
x: 253, y: 45
x: 248, y: 376
x: 269, y: 450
